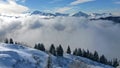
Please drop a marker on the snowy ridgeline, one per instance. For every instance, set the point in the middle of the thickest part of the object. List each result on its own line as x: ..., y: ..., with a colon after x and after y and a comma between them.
x: 18, y: 56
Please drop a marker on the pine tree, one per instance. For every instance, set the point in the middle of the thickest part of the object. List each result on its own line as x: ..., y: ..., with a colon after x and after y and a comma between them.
x: 115, y: 63
x: 16, y: 43
x: 39, y: 46
x: 88, y: 53
x: 103, y: 59
x: 91, y: 56
x: 36, y: 46
x: 68, y: 50
x: 96, y: 56
x: 52, y: 50
x: 6, y: 40
x: 42, y: 47
x: 79, y: 52
x: 60, y: 51
x: 75, y: 52
x: 84, y: 53
x: 11, y: 41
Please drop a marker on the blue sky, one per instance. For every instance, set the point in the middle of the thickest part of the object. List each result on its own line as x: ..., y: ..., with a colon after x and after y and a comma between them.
x: 86, y: 5
x: 70, y: 6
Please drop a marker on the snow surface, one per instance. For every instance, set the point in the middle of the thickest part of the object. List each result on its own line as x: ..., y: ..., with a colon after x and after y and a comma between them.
x: 18, y: 56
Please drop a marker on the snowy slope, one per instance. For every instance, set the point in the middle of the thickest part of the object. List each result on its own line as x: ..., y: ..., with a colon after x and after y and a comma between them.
x: 70, y: 61
x: 17, y: 56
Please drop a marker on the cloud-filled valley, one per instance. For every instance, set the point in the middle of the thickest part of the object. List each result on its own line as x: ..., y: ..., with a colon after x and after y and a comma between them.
x: 100, y: 35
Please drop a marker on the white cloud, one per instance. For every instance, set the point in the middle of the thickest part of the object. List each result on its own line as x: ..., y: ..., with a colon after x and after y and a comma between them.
x: 63, y: 9
x: 76, y: 2
x: 118, y: 2
x: 10, y: 6
x: 70, y: 6
x: 116, y: 13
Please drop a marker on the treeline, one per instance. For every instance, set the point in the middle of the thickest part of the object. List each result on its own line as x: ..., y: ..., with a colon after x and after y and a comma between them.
x: 96, y: 57
x: 11, y: 41
x: 54, y: 51
x: 58, y: 51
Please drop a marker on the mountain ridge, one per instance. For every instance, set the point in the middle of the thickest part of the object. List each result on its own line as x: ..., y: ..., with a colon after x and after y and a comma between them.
x: 77, y: 14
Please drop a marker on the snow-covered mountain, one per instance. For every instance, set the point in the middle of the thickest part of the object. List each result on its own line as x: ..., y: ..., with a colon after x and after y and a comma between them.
x: 42, y: 13
x: 48, y: 14
x: 77, y: 14
x: 98, y: 15
x: 80, y: 14
x: 18, y: 56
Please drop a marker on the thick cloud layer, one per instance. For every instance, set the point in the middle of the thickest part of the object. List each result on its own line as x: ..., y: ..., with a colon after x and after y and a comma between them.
x: 103, y: 36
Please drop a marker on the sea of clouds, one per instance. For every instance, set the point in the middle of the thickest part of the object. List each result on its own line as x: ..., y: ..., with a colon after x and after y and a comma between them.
x: 100, y: 35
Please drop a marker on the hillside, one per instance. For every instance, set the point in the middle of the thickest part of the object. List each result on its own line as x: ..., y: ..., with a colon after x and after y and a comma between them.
x: 18, y: 56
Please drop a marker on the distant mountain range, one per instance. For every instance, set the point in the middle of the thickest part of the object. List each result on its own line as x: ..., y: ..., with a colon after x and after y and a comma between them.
x: 93, y: 16
x: 48, y: 14
x: 78, y: 14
